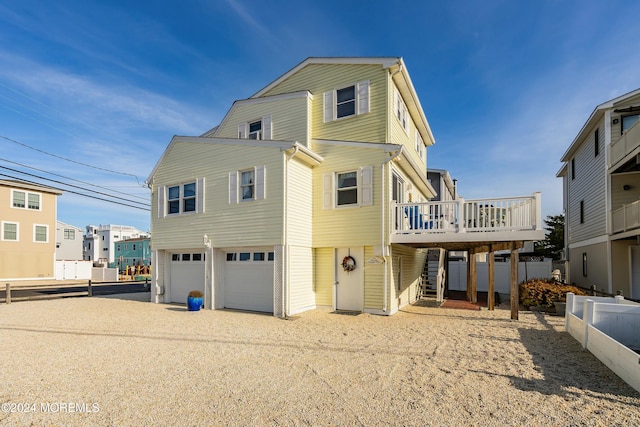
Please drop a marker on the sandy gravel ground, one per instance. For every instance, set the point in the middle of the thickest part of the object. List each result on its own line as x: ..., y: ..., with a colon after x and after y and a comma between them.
x: 119, y: 361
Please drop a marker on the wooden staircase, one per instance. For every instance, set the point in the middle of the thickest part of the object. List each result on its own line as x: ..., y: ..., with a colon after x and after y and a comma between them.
x: 431, y: 282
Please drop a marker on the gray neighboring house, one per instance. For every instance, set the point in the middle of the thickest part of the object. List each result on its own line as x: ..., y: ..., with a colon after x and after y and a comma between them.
x: 601, y: 187
x: 69, y: 240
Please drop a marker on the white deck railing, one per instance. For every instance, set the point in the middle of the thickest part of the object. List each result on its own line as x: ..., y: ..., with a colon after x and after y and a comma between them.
x: 626, y: 218
x: 625, y: 145
x: 460, y: 216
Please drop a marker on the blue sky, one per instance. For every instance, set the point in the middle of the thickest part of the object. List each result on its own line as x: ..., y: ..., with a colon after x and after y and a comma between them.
x: 506, y: 85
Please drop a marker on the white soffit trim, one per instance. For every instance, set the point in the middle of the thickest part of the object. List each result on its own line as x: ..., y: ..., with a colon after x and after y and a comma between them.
x: 589, y: 242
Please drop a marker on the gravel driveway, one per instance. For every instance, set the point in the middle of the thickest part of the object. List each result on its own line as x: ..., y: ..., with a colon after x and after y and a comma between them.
x: 122, y: 361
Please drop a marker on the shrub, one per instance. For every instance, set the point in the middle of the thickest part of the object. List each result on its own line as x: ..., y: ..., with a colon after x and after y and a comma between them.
x: 544, y: 292
x: 196, y: 294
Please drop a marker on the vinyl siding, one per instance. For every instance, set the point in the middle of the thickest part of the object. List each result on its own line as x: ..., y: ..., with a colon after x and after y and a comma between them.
x: 620, y: 268
x: 302, y: 296
x: 589, y: 185
x: 324, y: 276
x: 320, y: 78
x: 597, y: 266
x: 412, y: 265
x: 251, y: 223
x: 373, y: 282
x: 397, y: 134
x: 299, y: 204
x: 346, y: 226
x: 289, y: 119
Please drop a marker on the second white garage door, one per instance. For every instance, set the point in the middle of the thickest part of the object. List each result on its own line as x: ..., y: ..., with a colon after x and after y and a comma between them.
x: 248, y: 280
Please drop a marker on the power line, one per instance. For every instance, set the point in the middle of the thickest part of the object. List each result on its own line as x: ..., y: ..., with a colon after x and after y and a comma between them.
x: 68, y: 160
x: 71, y: 185
x: 72, y: 179
x: 80, y: 194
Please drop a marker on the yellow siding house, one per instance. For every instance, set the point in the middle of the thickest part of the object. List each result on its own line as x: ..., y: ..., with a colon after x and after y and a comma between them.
x: 291, y: 202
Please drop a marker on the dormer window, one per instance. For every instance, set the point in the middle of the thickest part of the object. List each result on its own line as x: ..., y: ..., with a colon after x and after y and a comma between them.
x: 256, y: 129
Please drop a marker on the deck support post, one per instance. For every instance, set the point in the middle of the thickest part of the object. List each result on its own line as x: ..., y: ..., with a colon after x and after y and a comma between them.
x: 473, y: 282
x: 492, y: 281
x: 514, y: 282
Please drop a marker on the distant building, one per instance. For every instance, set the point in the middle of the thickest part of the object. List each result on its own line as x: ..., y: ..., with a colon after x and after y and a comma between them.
x: 133, y: 252
x: 99, y: 241
x: 68, y: 242
x: 27, y: 224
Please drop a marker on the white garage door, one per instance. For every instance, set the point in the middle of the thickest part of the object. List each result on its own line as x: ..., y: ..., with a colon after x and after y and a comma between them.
x: 248, y: 280
x: 187, y: 274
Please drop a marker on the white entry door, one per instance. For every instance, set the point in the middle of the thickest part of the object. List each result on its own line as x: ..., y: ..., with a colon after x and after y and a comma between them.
x: 634, y: 261
x: 350, y: 284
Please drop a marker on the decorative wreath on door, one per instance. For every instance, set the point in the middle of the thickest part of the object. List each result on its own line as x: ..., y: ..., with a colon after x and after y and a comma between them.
x: 348, y: 263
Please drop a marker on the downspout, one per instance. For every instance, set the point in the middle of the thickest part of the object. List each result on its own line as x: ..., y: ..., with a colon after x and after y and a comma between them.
x: 285, y: 250
x: 382, y: 229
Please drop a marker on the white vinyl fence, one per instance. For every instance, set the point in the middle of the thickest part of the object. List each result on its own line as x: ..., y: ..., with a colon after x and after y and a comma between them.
x: 84, y: 270
x: 73, y: 270
x: 610, y: 329
x: 526, y: 270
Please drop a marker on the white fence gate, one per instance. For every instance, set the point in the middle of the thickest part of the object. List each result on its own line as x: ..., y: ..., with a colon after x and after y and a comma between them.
x: 526, y: 270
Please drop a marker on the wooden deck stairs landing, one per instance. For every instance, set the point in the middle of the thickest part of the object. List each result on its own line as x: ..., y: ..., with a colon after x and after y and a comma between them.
x: 431, y: 282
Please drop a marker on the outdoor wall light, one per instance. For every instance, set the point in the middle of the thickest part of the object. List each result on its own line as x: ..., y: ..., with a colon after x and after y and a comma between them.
x: 615, y: 121
x: 626, y: 187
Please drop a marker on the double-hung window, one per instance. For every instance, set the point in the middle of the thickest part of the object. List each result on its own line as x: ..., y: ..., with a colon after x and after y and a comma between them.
x: 347, y: 188
x: 181, y: 198
x: 247, y: 185
x: 346, y: 101
x: 69, y: 234
x: 419, y: 145
x: 22, y: 200
x: 10, y: 231
x: 351, y: 188
x: 40, y: 233
x: 401, y: 112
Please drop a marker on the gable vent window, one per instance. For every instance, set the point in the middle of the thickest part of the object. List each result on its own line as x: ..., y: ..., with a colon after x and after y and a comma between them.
x: 346, y: 102
x: 260, y: 129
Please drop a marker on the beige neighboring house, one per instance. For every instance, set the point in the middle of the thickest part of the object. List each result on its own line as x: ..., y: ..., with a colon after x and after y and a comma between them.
x: 313, y: 192
x: 601, y: 186
x: 28, y: 230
